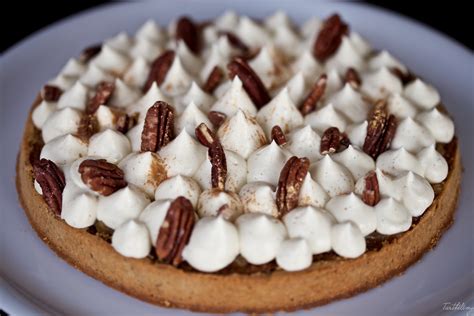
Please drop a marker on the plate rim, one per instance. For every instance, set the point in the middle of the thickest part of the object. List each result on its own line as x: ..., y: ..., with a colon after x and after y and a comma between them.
x: 103, y: 7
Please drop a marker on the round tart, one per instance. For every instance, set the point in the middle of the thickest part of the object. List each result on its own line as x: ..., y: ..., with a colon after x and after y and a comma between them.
x: 236, y: 165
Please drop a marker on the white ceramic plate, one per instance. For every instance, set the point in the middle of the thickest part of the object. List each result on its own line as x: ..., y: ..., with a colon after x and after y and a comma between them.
x: 35, y: 280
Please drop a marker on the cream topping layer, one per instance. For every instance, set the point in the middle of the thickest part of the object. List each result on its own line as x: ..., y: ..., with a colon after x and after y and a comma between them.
x: 244, y: 218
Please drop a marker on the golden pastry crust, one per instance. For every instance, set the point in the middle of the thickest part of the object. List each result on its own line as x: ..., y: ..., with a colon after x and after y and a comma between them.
x: 326, y: 280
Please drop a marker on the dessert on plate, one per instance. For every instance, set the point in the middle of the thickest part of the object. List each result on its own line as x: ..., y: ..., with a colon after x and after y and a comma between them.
x: 239, y: 164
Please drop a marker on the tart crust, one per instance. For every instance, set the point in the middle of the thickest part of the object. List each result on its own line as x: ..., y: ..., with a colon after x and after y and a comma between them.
x: 325, y: 280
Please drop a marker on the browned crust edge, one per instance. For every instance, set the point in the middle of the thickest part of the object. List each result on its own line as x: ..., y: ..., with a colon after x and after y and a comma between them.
x: 165, y: 285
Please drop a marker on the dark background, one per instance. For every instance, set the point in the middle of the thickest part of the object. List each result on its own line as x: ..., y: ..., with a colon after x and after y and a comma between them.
x: 448, y: 17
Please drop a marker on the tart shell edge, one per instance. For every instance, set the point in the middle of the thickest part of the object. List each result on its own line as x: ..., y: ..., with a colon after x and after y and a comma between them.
x: 324, y: 281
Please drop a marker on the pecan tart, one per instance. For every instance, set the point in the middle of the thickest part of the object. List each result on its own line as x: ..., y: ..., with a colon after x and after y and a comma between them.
x: 239, y: 165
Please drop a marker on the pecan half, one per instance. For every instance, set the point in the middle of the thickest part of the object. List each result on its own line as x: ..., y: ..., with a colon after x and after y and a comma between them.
x: 289, y: 184
x: 52, y: 182
x: 215, y: 77
x: 158, y: 129
x: 250, y: 80
x: 249, y: 54
x: 101, y: 176
x: 88, y: 126
x: 216, y: 155
x: 333, y: 141
x: 371, y: 193
x: 187, y: 31
x: 159, y: 69
x: 352, y: 77
x: 381, y: 129
x: 235, y: 41
x: 216, y: 118
x: 36, y: 145
x: 316, y: 93
x: 124, y: 122
x: 278, y: 136
x: 404, y: 77
x: 103, y: 92
x: 51, y: 93
x: 89, y: 52
x: 330, y: 37
x: 203, y: 24
x: 175, y: 231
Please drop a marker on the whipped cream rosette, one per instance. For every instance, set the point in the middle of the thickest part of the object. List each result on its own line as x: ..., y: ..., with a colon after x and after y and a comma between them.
x: 262, y: 141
